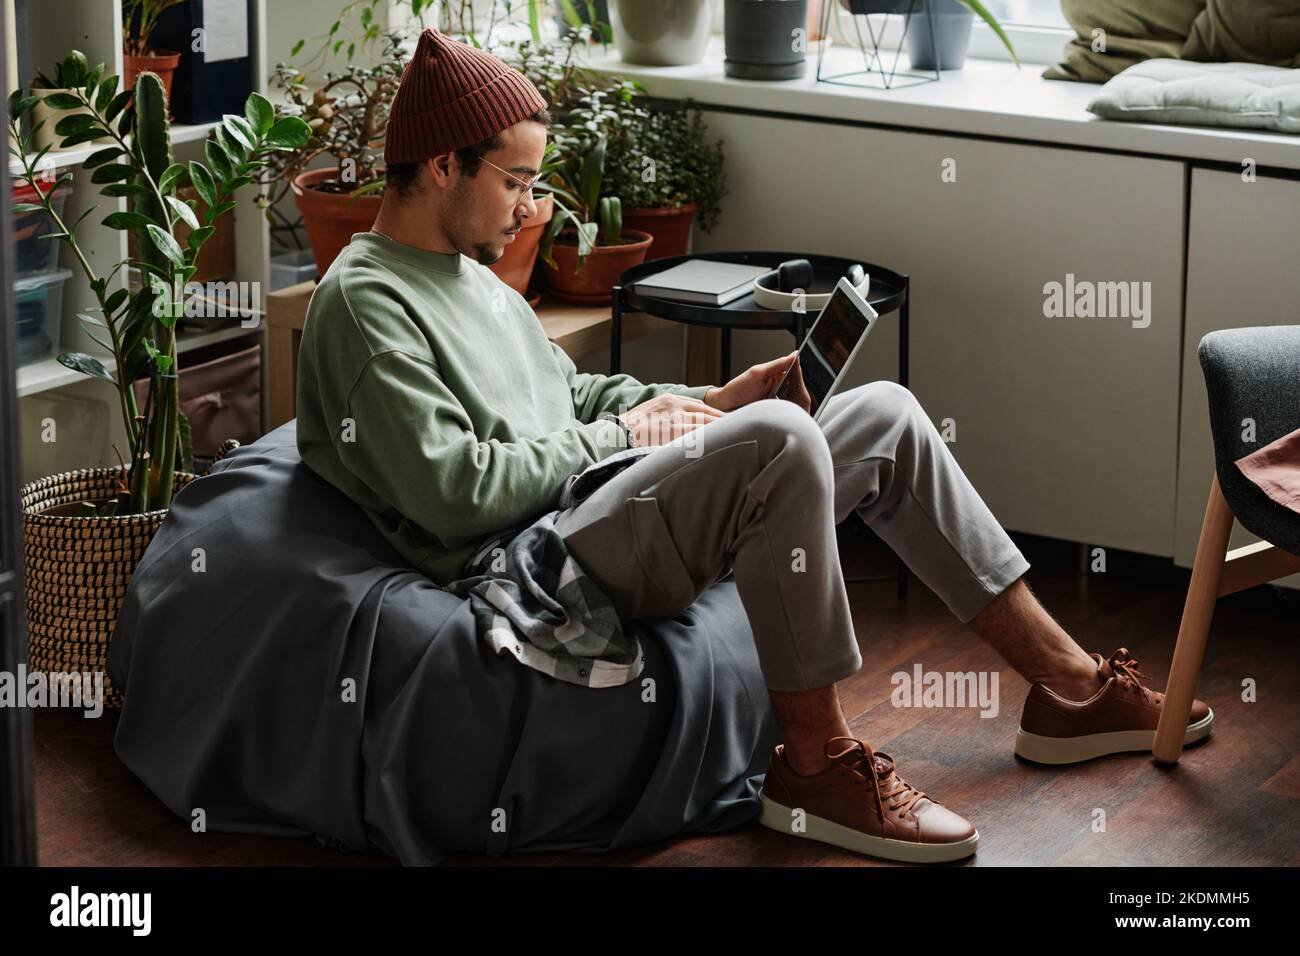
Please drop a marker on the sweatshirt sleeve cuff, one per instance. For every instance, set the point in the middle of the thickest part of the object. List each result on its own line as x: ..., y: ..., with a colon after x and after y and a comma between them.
x: 607, y: 437
x: 694, y: 391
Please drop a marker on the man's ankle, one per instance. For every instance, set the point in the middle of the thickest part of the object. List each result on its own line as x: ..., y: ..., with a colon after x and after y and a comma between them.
x: 1076, y: 685
x: 806, y: 759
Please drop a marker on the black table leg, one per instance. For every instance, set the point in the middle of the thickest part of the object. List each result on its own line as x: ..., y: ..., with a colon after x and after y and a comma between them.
x: 904, y: 332
x: 616, y: 332
x: 904, y: 336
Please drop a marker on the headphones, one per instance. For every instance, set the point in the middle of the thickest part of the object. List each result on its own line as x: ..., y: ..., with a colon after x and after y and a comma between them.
x: 798, y: 274
x: 777, y: 289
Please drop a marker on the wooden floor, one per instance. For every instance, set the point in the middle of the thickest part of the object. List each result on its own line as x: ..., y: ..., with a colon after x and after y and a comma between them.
x: 1234, y: 799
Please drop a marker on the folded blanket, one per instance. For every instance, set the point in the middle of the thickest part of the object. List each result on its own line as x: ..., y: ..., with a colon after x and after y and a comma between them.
x: 1275, y: 469
x: 531, y: 598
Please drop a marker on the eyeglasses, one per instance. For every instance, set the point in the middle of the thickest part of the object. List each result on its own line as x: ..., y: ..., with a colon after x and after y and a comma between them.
x: 526, y: 187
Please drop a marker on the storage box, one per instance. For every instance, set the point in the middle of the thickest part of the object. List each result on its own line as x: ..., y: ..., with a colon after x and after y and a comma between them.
x: 290, y: 267
x: 33, y: 253
x: 220, y: 394
x: 80, y: 433
x: 38, y: 307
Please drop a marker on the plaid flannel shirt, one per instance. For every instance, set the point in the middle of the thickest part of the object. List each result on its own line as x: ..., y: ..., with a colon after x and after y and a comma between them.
x: 531, y: 598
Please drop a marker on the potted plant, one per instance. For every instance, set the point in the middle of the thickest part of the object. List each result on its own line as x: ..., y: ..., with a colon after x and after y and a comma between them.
x: 73, y: 74
x: 951, y: 21
x: 139, y: 17
x: 86, y: 530
x: 593, y: 114
x: 661, y: 32
x: 666, y: 174
x: 347, y: 117
x: 585, y: 247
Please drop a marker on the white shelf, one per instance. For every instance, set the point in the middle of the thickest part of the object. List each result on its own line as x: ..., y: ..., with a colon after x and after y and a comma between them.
x: 64, y: 159
x: 49, y: 373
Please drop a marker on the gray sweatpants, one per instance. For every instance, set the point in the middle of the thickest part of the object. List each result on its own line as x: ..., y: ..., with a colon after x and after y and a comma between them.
x: 759, y: 492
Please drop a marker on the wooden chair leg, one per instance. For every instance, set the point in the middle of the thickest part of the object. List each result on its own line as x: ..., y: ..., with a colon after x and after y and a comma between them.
x: 1198, y: 611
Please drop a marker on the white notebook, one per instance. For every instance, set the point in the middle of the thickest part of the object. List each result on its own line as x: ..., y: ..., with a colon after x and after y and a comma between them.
x: 702, y: 281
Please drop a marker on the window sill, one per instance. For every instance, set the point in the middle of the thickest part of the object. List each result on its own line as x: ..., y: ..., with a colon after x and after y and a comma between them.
x: 988, y: 98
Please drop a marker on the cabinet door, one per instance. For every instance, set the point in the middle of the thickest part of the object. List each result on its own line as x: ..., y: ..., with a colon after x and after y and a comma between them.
x: 1067, y: 426
x: 1243, y: 270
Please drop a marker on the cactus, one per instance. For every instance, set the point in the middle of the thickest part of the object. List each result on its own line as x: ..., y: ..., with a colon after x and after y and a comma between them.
x: 152, y: 147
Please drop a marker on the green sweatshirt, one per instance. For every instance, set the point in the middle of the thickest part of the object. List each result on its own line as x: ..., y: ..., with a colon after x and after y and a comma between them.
x: 429, y: 394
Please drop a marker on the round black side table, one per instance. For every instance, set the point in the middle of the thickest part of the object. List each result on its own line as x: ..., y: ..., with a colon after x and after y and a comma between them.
x: 887, y: 293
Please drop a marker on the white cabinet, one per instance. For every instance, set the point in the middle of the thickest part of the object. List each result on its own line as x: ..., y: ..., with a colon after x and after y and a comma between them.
x: 1243, y: 269
x: 1067, y: 426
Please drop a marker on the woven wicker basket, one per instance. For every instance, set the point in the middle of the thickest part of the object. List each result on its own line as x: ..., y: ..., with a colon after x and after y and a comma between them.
x: 78, y: 568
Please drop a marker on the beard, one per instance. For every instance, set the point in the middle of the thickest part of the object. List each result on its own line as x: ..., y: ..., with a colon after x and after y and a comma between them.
x: 458, y: 213
x: 486, y: 255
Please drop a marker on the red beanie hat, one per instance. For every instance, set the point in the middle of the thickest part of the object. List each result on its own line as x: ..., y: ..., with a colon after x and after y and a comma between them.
x: 453, y: 95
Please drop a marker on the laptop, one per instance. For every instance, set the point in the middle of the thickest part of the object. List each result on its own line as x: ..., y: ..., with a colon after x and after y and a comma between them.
x: 829, y: 348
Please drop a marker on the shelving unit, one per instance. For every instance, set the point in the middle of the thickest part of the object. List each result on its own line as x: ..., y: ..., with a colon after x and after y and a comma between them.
x: 53, y: 28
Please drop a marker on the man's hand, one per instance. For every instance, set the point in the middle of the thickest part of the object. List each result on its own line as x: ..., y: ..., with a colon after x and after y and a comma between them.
x: 756, y: 382
x: 666, y: 417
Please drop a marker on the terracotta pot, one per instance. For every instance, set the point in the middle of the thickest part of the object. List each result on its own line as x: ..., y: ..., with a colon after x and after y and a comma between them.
x: 332, y: 218
x: 670, y: 226
x: 162, y: 62
x: 594, y: 283
x: 516, y: 265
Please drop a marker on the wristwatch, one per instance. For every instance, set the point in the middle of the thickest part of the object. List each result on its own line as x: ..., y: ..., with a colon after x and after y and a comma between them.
x: 610, y: 416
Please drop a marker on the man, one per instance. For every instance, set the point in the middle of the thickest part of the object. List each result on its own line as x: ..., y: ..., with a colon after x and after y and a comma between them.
x: 430, y: 395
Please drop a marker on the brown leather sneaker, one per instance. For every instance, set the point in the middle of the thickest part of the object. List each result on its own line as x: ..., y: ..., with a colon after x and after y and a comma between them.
x: 860, y: 803
x: 1121, y: 716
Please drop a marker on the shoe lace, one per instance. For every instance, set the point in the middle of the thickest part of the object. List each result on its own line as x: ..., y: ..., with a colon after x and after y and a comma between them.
x: 1126, y: 671
x: 879, y: 769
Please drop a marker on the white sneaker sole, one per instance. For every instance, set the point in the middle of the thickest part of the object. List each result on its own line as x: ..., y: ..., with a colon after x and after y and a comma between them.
x: 778, y: 817
x: 1058, y: 750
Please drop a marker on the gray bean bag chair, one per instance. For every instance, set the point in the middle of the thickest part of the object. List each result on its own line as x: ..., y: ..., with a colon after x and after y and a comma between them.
x: 285, y: 672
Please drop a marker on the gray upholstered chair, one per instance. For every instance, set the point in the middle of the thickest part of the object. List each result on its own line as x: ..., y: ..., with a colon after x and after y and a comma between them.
x: 1251, y: 373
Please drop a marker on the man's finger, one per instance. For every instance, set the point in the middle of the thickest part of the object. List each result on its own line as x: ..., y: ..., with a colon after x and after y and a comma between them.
x: 695, y: 405
x: 776, y: 365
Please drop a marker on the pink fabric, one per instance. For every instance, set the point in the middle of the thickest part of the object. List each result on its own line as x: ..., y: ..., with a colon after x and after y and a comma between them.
x: 1275, y: 469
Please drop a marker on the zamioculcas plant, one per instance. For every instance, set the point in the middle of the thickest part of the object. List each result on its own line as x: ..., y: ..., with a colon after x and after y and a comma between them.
x: 140, y: 325
x: 73, y: 72
x: 139, y: 17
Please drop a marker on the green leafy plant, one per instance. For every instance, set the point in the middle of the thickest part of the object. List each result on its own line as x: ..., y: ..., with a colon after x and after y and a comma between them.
x: 358, y: 24
x: 590, y: 126
x: 346, y: 117
x: 73, y: 72
x: 139, y: 17
x: 141, y: 324
x: 554, y: 69
x: 575, y: 181
x: 669, y: 160
x: 348, y: 112
x: 573, y: 13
